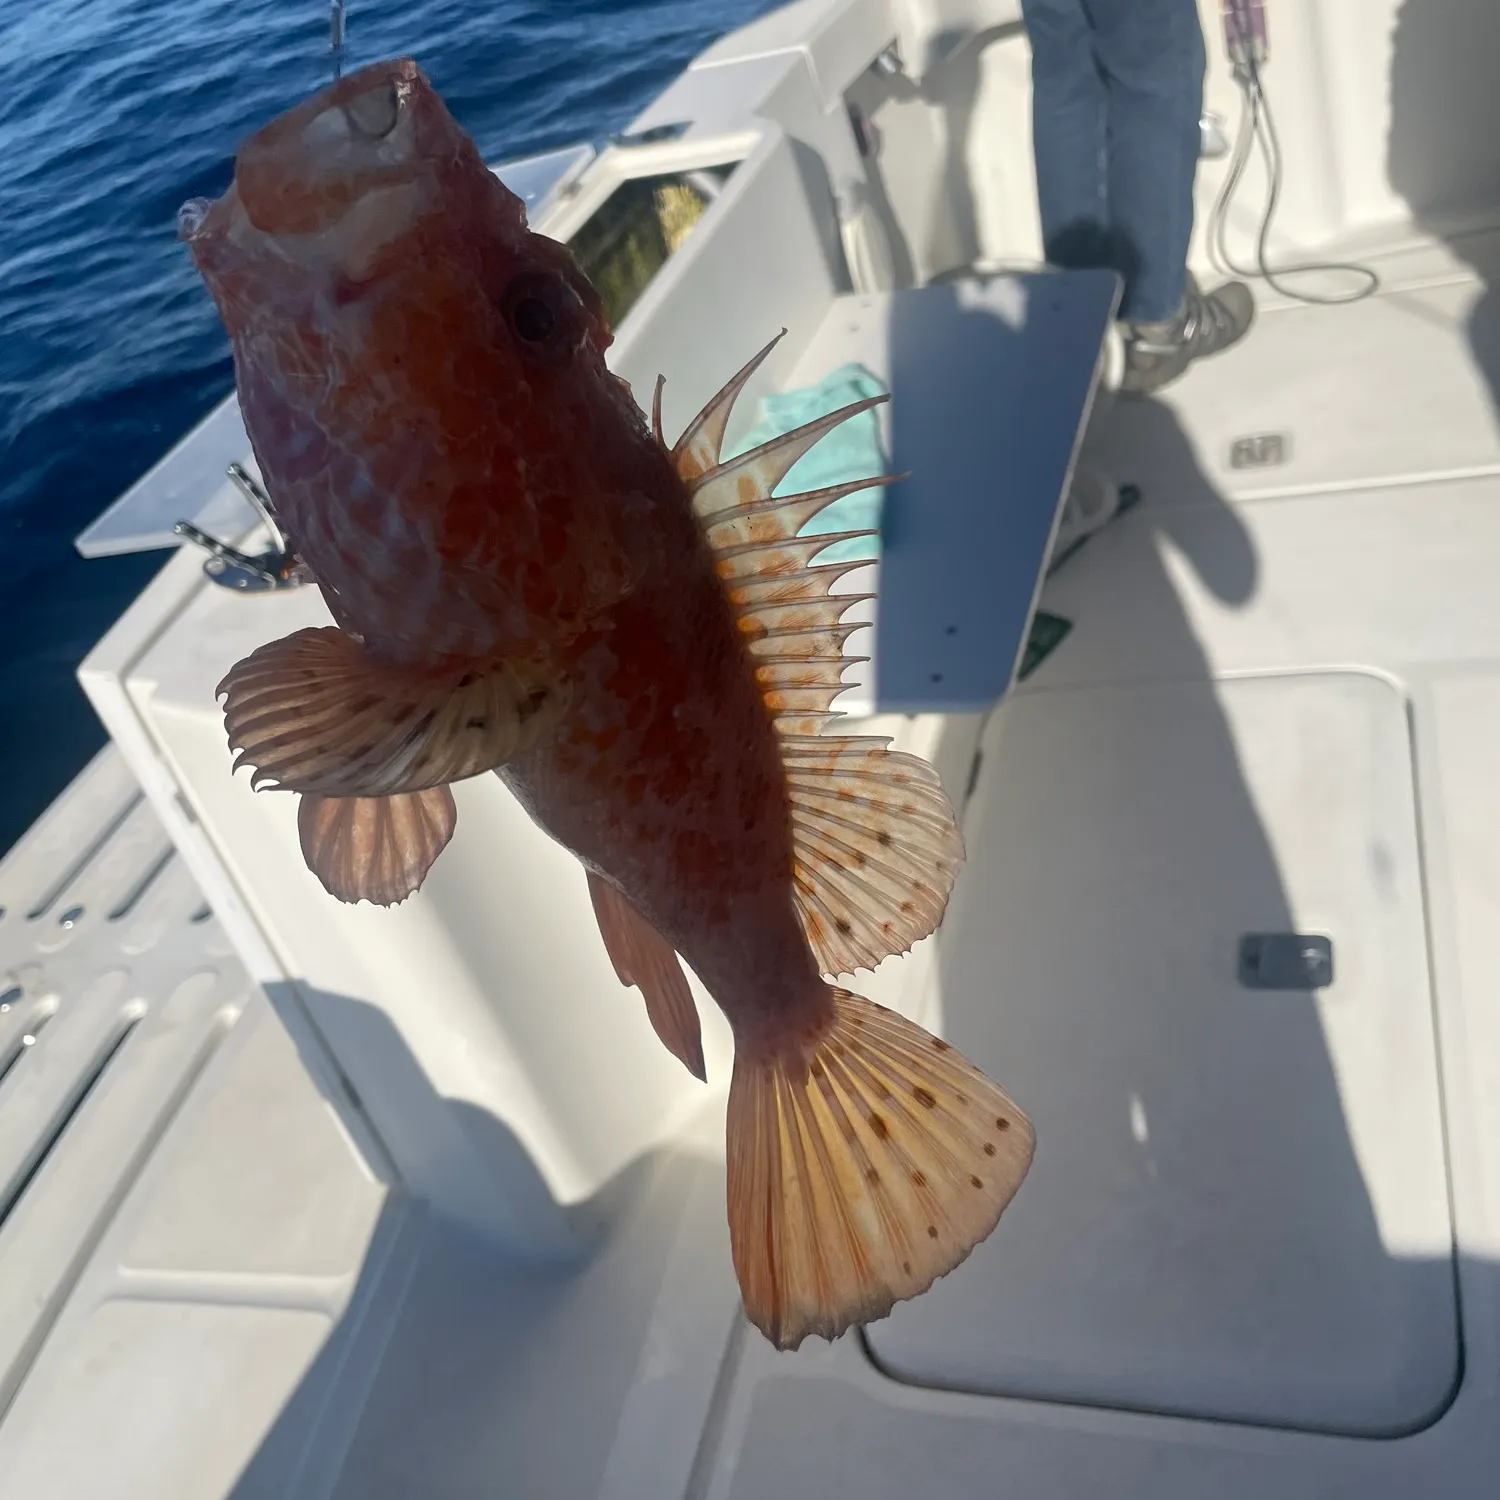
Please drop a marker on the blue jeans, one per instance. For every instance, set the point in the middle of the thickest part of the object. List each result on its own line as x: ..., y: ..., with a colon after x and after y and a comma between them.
x: 1117, y: 90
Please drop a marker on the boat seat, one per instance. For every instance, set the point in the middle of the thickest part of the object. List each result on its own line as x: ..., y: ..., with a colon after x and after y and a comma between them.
x: 992, y: 380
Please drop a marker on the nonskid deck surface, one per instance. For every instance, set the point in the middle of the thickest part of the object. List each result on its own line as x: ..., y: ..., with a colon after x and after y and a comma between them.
x: 205, y: 1291
x: 116, y: 987
x: 183, y: 1223
x: 1400, y: 387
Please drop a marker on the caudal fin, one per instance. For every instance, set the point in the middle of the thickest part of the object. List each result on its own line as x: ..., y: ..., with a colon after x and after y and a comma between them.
x: 864, y: 1163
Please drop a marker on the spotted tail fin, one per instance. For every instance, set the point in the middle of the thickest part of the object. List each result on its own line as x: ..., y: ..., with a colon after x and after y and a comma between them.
x: 864, y: 1163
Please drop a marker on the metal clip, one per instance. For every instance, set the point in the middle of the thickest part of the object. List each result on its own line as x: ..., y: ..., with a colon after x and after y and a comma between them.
x: 276, y: 568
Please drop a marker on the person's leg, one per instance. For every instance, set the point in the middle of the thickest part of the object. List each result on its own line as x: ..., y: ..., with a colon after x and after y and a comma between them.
x: 1068, y: 134
x: 1152, y: 59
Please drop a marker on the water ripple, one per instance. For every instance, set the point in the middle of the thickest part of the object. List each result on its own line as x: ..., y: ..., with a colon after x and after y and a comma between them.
x: 115, y: 112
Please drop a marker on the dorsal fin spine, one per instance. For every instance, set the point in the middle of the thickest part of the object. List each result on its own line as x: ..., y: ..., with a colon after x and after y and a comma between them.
x: 875, y: 843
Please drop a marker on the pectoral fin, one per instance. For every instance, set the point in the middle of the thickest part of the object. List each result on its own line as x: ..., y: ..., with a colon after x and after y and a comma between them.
x: 316, y: 713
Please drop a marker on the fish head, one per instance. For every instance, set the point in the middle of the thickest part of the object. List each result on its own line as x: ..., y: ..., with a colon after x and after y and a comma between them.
x: 341, y: 193
x: 421, y: 375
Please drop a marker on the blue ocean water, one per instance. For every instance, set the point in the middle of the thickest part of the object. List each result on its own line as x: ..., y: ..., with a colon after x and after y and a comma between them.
x: 114, y: 112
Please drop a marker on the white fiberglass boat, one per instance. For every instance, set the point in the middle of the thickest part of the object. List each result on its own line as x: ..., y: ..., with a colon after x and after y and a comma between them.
x: 305, y: 1200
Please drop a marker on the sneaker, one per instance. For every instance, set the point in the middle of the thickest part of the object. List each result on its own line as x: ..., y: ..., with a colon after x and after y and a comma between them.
x: 1156, y: 353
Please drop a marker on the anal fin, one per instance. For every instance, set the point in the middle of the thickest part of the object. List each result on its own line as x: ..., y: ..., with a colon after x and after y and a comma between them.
x: 643, y: 957
x: 376, y: 849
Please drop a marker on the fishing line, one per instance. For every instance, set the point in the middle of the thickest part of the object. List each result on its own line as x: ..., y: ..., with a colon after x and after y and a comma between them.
x: 1257, y: 127
x: 336, y: 37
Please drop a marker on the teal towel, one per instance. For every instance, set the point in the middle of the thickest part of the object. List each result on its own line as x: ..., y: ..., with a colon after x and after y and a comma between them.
x: 850, y: 451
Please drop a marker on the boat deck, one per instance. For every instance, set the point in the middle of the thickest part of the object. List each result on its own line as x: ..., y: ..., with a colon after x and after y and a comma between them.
x: 117, y: 988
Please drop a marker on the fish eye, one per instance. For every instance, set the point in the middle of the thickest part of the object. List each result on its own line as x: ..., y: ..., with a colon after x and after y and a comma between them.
x: 374, y: 113
x: 543, y: 314
x: 532, y: 319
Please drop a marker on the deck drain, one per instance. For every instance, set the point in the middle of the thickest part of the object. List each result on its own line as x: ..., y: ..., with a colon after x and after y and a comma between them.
x: 69, y: 919
x: 1263, y: 450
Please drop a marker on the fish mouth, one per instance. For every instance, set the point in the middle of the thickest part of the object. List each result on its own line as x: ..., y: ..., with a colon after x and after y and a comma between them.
x: 305, y: 171
x: 369, y: 101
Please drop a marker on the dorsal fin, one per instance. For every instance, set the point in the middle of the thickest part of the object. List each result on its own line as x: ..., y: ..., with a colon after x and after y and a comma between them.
x: 661, y: 381
x: 875, y: 843
x: 697, y: 449
x: 743, y: 486
x: 875, y: 847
